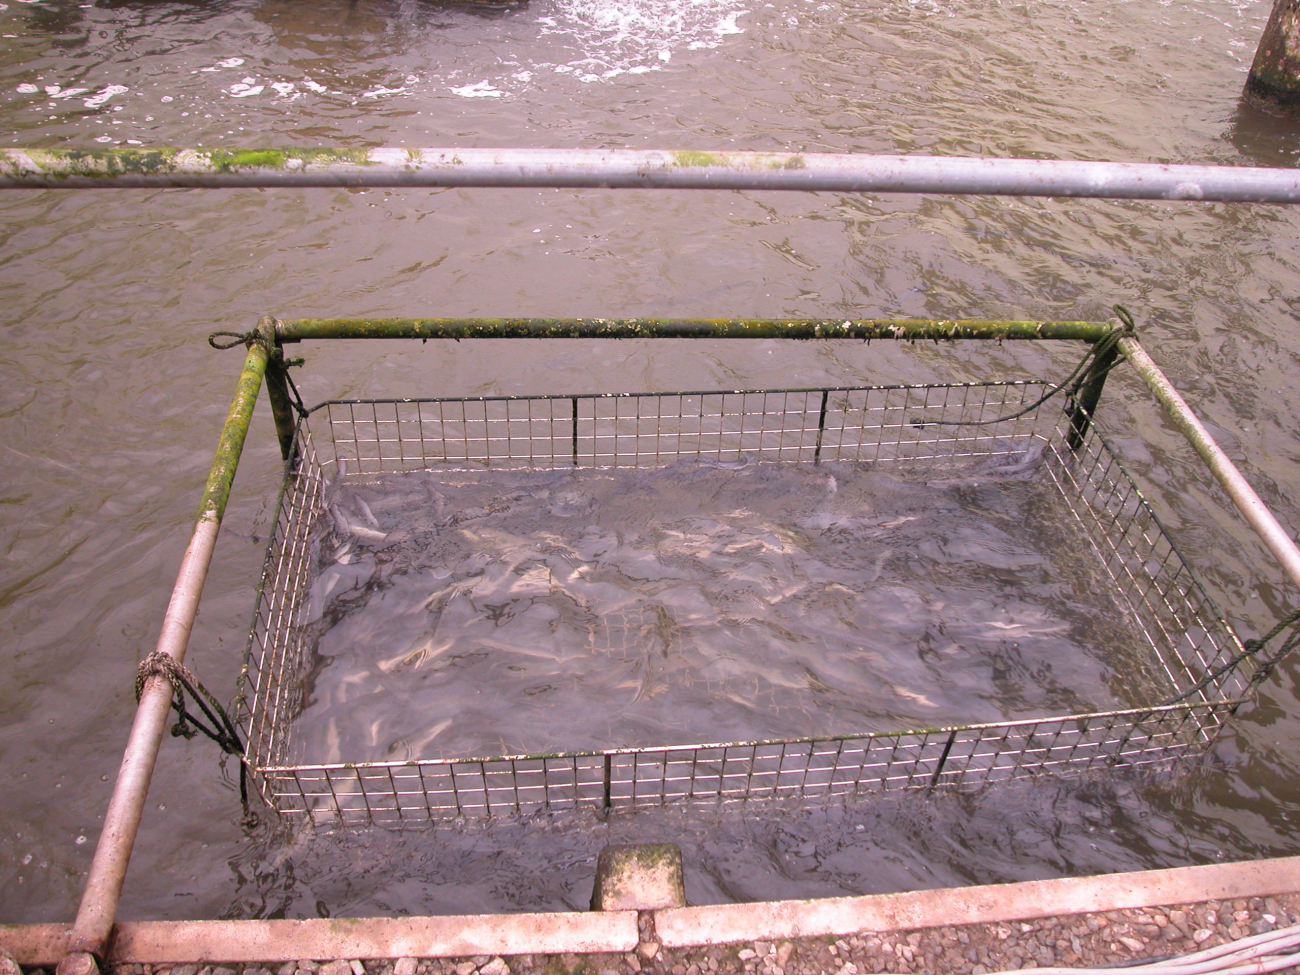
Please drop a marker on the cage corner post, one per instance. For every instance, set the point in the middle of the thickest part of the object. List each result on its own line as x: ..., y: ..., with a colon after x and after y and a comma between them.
x: 92, y: 928
x: 1083, y: 402
x: 277, y: 386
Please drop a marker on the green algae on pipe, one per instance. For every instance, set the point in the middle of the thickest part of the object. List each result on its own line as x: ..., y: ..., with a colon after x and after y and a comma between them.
x: 664, y: 169
x: 230, y: 445
x: 696, y: 328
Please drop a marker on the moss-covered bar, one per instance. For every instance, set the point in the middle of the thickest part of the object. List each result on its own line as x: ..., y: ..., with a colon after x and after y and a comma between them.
x: 230, y: 445
x: 684, y: 328
x: 98, y: 908
x: 665, y: 169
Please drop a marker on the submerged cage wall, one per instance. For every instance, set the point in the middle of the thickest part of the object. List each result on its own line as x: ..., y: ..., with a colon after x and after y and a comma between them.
x: 1186, y: 638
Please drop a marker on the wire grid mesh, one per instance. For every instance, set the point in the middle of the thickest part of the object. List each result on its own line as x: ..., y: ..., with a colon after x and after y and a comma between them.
x: 1186, y: 635
x: 879, y: 423
x: 278, y: 655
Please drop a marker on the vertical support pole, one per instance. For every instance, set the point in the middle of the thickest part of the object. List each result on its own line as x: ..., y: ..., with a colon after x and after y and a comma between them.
x: 821, y: 428
x: 609, y: 775
x: 575, y: 431
x: 277, y: 388
x: 1273, y: 84
x: 1084, y: 403
x: 97, y: 911
x: 943, y: 758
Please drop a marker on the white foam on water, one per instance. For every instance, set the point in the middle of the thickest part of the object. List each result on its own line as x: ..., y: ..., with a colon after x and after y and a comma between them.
x: 617, y: 37
x: 227, y: 63
x: 587, y: 41
x: 481, y: 89
x: 727, y: 25
x: 102, y: 96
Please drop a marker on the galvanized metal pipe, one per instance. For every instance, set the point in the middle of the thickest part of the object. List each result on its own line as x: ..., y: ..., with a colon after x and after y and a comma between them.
x: 1251, y: 506
x: 696, y: 328
x: 841, y: 172
x: 95, y: 915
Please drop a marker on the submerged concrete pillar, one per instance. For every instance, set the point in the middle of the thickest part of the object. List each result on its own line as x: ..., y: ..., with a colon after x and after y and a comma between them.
x: 1274, y: 81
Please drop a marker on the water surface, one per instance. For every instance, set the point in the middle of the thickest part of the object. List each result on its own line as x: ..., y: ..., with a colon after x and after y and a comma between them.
x: 460, y: 614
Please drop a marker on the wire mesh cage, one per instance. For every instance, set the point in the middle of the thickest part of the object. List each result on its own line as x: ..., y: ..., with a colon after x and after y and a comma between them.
x: 1184, y: 640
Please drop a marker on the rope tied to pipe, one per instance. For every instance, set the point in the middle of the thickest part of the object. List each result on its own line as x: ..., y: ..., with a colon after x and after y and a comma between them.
x: 1251, y: 648
x: 228, y: 340
x: 1070, y: 385
x: 218, y: 727
x: 295, y: 397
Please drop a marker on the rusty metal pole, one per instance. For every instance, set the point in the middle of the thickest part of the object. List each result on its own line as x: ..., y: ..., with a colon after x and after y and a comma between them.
x: 93, y: 927
x: 1274, y: 81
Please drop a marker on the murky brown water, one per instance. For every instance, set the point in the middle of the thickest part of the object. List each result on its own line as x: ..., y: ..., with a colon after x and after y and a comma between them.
x: 111, y: 400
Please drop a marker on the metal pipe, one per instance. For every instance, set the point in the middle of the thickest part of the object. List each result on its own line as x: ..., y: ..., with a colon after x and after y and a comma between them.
x: 841, y: 172
x: 277, y: 386
x: 698, y: 328
x: 95, y: 915
x: 277, y: 394
x: 1249, y: 503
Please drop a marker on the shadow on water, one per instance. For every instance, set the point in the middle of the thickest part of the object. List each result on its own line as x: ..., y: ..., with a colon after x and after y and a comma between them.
x: 1264, y: 139
x: 69, y: 19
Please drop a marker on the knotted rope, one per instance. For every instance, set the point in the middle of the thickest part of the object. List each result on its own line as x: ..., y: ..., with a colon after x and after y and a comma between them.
x: 229, y: 340
x: 1250, y: 648
x: 219, y: 727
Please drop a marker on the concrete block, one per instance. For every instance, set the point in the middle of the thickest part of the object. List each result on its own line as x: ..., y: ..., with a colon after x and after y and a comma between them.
x: 639, y: 878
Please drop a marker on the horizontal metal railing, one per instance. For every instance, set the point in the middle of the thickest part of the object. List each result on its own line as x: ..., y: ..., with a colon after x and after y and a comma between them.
x: 866, y: 329
x: 633, y: 168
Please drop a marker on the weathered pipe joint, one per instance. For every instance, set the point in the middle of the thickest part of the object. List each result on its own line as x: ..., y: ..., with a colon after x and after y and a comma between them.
x: 1273, y: 85
x: 78, y: 963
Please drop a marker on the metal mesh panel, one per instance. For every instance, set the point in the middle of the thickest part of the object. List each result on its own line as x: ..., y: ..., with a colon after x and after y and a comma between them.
x: 277, y: 655
x: 1186, y: 638
x: 1152, y: 580
x: 877, y: 423
x: 970, y: 756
